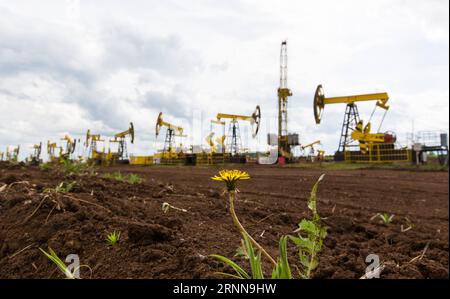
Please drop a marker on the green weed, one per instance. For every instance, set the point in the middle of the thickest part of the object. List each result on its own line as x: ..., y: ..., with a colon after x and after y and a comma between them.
x: 309, y: 241
x: 118, y: 176
x: 61, y: 188
x: 113, y: 238
x: 70, y: 167
x: 134, y: 179
x: 385, y: 217
x: 310, y: 238
x: 59, y: 263
x: 45, y: 166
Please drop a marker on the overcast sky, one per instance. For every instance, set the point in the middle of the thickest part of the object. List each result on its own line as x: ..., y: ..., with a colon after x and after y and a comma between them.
x: 69, y: 66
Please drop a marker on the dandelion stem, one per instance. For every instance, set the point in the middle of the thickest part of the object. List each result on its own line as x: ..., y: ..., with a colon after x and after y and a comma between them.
x: 243, y: 231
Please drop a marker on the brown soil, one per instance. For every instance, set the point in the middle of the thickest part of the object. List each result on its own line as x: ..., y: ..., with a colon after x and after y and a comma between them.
x: 177, y: 244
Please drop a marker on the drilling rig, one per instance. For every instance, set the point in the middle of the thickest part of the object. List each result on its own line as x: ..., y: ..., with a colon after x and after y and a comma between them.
x: 120, y: 138
x: 172, y: 131
x: 234, y: 137
x: 285, y: 140
x: 353, y: 129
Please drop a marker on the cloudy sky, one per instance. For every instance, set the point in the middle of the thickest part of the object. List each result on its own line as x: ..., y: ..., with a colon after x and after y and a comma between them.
x: 69, y: 66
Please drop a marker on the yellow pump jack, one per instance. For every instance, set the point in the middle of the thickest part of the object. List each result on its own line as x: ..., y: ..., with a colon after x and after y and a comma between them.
x: 352, y: 122
x: 172, y: 131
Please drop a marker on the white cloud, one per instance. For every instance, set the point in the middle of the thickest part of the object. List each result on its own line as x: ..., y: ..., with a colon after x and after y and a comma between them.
x: 66, y: 66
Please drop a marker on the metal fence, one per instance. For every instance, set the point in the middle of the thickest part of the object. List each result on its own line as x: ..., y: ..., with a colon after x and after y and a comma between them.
x: 379, y: 153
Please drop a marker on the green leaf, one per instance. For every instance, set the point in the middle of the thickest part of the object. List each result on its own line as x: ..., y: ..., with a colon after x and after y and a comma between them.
x: 308, y: 226
x: 283, y: 263
x: 258, y: 267
x: 255, y: 260
x: 304, y: 259
x: 241, y: 251
x: 304, y: 244
x: 241, y: 272
x: 312, y: 203
x: 58, y: 262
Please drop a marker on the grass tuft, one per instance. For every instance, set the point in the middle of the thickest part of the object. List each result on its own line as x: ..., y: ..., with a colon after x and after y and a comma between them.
x: 113, y: 238
x: 132, y: 178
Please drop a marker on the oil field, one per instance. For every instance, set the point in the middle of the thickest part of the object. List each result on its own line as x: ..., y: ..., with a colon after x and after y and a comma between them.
x: 342, y: 198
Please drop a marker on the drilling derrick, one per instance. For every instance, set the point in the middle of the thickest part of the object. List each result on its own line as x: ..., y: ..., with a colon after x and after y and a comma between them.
x: 283, y: 94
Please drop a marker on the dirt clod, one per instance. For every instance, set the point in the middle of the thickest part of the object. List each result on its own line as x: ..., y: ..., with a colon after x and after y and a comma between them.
x: 145, y: 234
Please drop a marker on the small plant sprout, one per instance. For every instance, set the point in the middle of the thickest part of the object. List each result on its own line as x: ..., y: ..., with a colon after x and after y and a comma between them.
x: 51, y: 255
x: 45, y: 166
x: 76, y: 167
x: 311, y: 235
x: 59, y: 263
x: 167, y: 206
x: 113, y: 238
x: 118, y: 176
x: 61, y: 188
x: 134, y: 179
x: 385, y: 217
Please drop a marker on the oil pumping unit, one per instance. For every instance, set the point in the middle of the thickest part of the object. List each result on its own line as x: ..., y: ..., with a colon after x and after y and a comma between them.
x: 353, y: 128
x: 12, y: 153
x: 311, y: 147
x: 220, y: 140
x: 171, y: 132
x: 120, y: 139
x: 51, y: 151
x: 69, y: 148
x: 91, y: 143
x: 234, y: 144
x: 210, y: 141
x: 35, y: 157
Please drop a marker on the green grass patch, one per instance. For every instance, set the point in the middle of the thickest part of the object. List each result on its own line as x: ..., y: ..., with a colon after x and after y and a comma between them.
x: 118, y: 176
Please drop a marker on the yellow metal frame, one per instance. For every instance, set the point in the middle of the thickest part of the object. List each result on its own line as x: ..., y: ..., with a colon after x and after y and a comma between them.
x: 211, y: 159
x: 320, y: 101
x: 379, y: 153
x: 310, y: 144
x: 141, y: 160
x: 381, y: 99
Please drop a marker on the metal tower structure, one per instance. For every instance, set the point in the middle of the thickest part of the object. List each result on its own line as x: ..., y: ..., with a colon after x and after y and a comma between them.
x: 283, y: 94
x: 351, y: 119
x: 169, y: 141
x: 234, y: 138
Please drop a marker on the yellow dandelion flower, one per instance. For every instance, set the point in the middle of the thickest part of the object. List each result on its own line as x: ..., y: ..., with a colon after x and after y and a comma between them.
x: 230, y: 177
